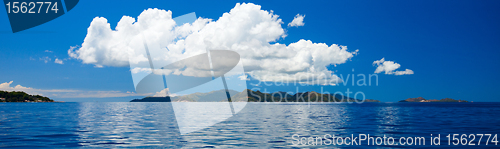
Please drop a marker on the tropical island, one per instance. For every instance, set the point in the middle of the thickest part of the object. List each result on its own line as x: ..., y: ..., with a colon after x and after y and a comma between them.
x: 420, y: 99
x: 16, y: 96
x: 254, y: 96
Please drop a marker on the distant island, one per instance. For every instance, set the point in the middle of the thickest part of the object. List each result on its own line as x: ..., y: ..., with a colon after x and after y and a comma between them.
x: 254, y: 96
x: 15, y: 96
x: 420, y: 99
x: 152, y: 99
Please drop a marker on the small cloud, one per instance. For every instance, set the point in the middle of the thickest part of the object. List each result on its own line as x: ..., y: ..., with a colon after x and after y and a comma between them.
x: 6, y: 86
x: 389, y: 67
x: 138, y: 70
x: 45, y: 59
x: 164, y: 93
x: 298, y: 20
x: 71, y: 51
x: 406, y: 72
x: 48, y: 51
x: 58, y: 61
x: 244, y: 77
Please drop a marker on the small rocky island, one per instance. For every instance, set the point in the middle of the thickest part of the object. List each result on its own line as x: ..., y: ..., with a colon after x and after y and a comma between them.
x: 420, y: 99
x: 15, y: 96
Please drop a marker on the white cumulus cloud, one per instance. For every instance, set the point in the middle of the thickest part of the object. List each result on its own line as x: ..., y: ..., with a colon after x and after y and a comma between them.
x: 45, y: 59
x: 243, y: 77
x: 6, y: 86
x: 164, y: 93
x: 58, y: 61
x: 246, y: 29
x: 297, y: 21
x: 389, y: 67
x: 138, y: 70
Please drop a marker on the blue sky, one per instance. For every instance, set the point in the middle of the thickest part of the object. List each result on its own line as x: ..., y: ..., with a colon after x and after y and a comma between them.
x: 452, y: 46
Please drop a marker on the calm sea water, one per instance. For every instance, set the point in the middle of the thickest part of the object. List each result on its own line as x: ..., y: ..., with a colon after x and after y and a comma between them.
x: 262, y: 125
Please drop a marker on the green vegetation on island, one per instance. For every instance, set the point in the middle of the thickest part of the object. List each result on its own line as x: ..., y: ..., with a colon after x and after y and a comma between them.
x: 257, y: 96
x: 152, y: 99
x: 420, y: 99
x: 16, y: 96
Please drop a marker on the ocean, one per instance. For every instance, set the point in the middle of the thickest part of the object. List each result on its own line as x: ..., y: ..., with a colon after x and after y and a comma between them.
x: 259, y: 125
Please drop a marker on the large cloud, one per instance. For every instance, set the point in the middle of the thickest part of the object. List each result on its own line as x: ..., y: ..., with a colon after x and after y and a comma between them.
x: 389, y: 67
x: 246, y: 29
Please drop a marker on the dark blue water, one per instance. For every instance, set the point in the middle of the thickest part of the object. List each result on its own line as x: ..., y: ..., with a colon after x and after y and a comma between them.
x: 115, y: 125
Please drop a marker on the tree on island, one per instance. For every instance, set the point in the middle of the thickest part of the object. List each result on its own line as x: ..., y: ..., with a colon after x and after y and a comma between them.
x: 19, y: 96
